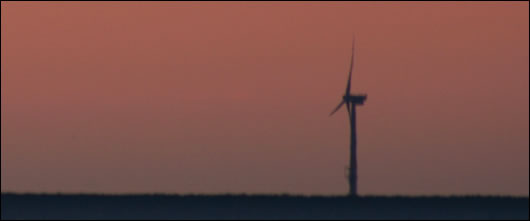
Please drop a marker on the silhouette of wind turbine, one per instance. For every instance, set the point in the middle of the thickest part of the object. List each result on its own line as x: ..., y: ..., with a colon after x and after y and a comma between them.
x: 351, y: 100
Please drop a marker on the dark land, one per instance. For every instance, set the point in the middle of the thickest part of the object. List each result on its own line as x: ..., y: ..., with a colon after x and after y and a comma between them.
x: 67, y: 206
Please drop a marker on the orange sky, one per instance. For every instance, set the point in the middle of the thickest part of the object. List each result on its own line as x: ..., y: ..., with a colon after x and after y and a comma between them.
x: 211, y: 97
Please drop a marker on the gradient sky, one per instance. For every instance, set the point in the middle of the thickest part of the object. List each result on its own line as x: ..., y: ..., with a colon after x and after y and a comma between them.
x: 211, y: 97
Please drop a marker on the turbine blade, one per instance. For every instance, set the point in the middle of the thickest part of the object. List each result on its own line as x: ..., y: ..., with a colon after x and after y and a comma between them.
x: 348, y: 86
x: 337, y: 108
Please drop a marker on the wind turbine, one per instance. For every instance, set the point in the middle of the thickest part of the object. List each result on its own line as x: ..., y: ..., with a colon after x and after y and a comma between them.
x: 351, y: 100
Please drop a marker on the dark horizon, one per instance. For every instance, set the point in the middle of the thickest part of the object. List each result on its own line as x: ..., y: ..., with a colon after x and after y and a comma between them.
x: 259, y: 207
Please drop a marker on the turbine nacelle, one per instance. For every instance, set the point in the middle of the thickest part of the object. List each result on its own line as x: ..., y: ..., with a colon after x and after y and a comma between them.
x: 356, y: 99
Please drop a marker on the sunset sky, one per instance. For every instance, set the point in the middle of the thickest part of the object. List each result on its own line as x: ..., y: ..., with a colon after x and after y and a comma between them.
x: 217, y: 97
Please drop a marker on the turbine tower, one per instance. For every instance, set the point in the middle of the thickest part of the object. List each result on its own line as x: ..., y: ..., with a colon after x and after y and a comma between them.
x: 351, y: 100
